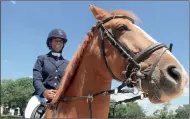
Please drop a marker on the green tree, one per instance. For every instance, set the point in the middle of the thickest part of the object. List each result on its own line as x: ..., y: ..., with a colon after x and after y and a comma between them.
x: 16, y: 93
x: 171, y: 114
x: 7, y: 91
x: 128, y: 110
x: 164, y: 112
x: 183, y: 111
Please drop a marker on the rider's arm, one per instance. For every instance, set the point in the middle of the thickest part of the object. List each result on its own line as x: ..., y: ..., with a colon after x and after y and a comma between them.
x: 38, y: 78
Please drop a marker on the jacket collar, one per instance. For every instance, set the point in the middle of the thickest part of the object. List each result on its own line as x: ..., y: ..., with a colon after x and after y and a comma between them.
x: 55, y: 55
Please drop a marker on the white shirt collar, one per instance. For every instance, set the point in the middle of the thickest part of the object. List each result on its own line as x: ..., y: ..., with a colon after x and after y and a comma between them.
x: 56, y: 54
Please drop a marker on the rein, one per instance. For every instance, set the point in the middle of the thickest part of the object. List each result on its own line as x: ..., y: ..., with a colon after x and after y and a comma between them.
x: 89, y: 99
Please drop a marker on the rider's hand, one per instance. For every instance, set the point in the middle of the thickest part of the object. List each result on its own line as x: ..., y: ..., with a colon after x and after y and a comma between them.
x: 49, y: 94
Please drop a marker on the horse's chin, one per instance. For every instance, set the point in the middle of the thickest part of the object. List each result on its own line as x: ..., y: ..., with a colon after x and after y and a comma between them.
x: 154, y: 90
x: 155, y: 98
x: 156, y: 95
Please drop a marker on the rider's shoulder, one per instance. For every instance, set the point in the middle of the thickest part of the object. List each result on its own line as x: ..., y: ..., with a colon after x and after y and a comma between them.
x: 42, y: 57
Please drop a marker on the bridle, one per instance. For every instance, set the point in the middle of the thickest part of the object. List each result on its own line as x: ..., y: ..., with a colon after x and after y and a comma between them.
x: 132, y: 69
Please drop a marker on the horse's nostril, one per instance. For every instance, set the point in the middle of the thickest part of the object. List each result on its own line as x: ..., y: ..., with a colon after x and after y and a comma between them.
x: 174, y: 73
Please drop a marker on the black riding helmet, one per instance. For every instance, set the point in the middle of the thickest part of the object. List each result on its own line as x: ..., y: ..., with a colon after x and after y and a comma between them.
x: 56, y: 33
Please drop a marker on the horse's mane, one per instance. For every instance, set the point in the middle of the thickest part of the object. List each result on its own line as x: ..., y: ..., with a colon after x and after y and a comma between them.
x: 73, y: 65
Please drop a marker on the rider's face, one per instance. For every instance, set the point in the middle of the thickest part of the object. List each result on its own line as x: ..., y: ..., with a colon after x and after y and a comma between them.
x: 57, y: 44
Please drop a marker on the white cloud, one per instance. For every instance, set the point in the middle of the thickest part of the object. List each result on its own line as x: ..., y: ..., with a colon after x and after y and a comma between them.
x: 13, y: 2
x: 186, y: 92
x: 30, y: 76
x: 119, y: 96
x: 187, y: 84
x: 145, y: 103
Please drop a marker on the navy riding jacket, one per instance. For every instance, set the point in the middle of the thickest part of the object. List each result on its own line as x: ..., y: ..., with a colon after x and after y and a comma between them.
x: 47, y: 72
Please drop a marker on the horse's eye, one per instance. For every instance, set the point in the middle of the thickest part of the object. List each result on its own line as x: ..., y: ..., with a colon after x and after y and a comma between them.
x: 123, y: 28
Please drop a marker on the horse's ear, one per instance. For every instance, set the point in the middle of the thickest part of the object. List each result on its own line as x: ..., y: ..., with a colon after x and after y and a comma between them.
x: 99, y: 13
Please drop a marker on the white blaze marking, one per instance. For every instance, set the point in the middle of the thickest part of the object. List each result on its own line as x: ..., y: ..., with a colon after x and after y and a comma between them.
x: 147, y: 35
x: 154, y: 41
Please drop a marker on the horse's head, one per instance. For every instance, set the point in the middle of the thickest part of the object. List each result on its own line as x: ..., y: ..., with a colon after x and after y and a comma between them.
x: 162, y: 76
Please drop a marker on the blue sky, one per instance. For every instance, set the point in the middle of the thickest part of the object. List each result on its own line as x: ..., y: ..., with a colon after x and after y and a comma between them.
x: 25, y: 26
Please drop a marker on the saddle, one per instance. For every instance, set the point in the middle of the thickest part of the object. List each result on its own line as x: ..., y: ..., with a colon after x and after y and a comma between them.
x: 39, y: 111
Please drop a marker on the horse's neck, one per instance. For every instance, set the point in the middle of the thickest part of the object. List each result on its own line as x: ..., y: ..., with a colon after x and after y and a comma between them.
x: 89, y: 79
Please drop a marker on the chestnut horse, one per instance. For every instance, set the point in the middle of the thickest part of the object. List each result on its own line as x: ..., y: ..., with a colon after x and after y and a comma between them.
x: 116, y: 48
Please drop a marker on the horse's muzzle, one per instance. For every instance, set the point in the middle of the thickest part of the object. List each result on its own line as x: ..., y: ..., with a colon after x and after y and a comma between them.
x: 171, y: 79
